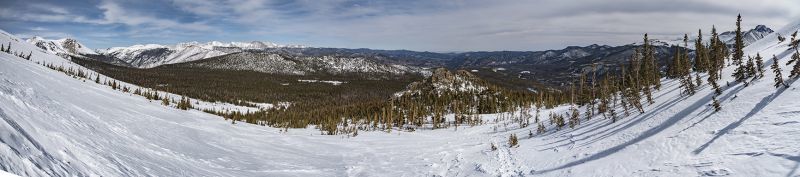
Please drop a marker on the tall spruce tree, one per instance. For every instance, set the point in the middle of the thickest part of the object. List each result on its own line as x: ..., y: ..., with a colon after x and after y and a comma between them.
x: 718, y: 53
x: 650, y: 73
x: 715, y: 104
x: 793, y: 44
x: 750, y: 68
x: 673, y: 71
x: 778, y: 74
x: 701, y: 54
x: 738, y: 54
x: 759, y: 65
x: 684, y: 69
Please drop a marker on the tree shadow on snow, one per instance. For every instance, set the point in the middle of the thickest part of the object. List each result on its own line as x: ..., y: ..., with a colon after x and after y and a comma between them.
x: 626, y: 123
x: 759, y: 106
x: 644, y: 135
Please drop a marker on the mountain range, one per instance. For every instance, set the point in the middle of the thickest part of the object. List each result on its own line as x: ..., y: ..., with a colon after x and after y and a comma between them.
x: 549, y: 67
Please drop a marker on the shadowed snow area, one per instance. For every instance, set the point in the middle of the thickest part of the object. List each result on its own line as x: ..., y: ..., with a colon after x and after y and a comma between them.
x: 55, y: 125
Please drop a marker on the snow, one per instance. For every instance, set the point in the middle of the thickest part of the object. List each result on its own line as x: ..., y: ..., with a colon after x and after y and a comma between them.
x: 321, y: 81
x: 6, y: 174
x: 54, y: 125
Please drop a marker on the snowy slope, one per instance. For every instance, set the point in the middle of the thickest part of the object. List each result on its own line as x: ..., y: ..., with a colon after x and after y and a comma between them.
x: 53, y: 124
x: 83, y: 128
x: 753, y: 135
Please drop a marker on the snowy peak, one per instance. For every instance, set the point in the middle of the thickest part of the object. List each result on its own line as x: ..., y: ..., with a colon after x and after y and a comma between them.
x: 213, y: 45
x: 152, y: 55
x: 74, y: 47
x: 762, y: 29
x: 62, y: 47
x: 729, y: 37
x: 749, y: 36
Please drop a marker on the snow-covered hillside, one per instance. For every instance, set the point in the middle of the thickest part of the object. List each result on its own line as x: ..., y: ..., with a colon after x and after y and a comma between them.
x: 54, y: 125
x: 152, y: 55
x: 303, y: 65
x: 61, y: 47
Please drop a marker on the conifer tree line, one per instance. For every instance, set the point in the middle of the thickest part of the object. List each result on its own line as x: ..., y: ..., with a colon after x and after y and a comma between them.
x: 7, y: 49
x: 632, y: 87
x: 793, y: 45
x: 601, y: 94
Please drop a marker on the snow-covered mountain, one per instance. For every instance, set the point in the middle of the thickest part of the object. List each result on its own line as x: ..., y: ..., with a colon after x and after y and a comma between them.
x: 62, y: 47
x: 749, y: 36
x: 296, y: 64
x: 728, y: 37
x: 152, y: 55
x: 54, y: 125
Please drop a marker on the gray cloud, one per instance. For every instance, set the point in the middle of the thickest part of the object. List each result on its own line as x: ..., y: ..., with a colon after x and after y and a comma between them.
x: 498, y: 25
x: 455, y: 25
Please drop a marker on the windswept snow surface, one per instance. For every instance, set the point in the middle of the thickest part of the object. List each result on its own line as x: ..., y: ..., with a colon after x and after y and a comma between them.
x: 56, y: 125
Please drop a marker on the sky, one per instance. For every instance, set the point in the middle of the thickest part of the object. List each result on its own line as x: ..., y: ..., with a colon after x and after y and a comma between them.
x: 422, y: 25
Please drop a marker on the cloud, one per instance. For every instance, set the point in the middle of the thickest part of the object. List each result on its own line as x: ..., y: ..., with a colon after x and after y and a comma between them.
x: 454, y: 25
x: 487, y: 25
x: 113, y: 13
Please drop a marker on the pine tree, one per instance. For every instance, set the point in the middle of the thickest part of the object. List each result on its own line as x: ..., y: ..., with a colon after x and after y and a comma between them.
x: 165, y: 101
x: 675, y: 68
x: 777, y: 70
x: 795, y: 57
x: 759, y: 65
x: 184, y: 104
x: 623, y: 90
x: 512, y: 140
x: 701, y: 58
x: 560, y: 122
x: 574, y: 119
x: 593, y: 96
x: 717, y: 54
x: 750, y: 69
x: 540, y: 129
x: 574, y: 114
x: 715, y: 104
x: 683, y: 69
x: 698, y: 80
x: 652, y: 74
x: 738, y: 54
